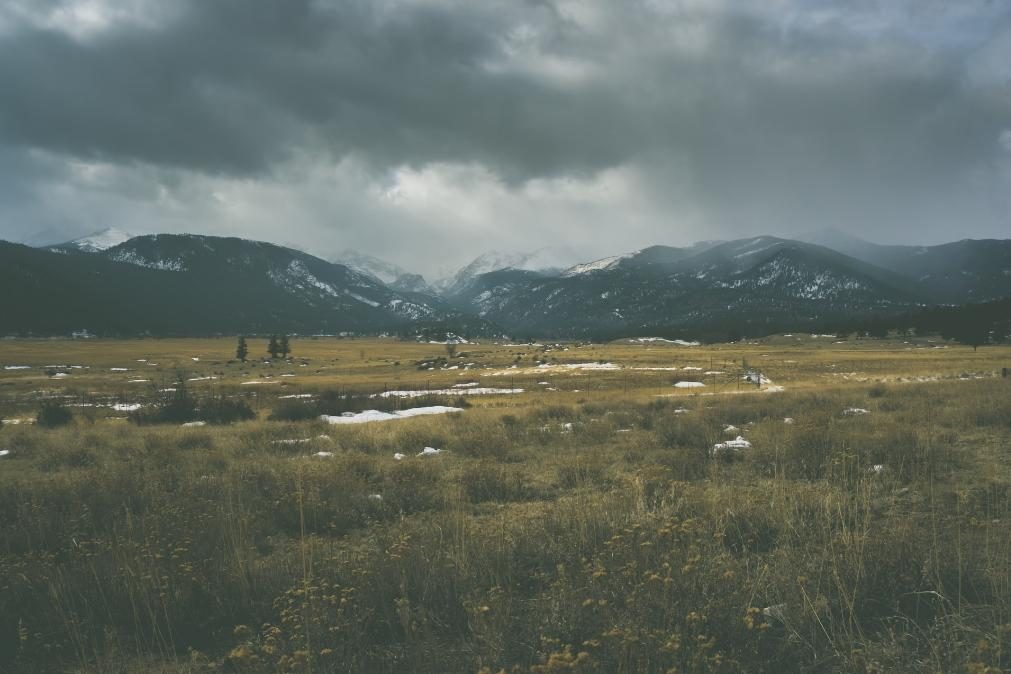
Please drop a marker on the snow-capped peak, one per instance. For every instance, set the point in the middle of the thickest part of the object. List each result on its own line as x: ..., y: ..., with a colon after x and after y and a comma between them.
x: 100, y: 240
x: 544, y: 260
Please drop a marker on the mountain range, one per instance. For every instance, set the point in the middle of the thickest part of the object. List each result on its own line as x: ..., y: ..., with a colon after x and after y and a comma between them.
x: 112, y: 283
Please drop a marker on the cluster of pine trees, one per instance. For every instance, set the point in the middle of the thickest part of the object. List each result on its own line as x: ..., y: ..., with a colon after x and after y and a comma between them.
x: 277, y: 347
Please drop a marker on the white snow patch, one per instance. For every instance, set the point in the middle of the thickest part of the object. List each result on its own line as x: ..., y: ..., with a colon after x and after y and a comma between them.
x: 429, y: 451
x: 689, y: 384
x: 194, y: 424
x: 855, y: 411
x: 375, y: 415
x: 447, y: 391
x: 731, y: 446
x: 596, y: 265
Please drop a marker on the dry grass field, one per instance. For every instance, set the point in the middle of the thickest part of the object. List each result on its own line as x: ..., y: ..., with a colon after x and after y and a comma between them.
x: 584, y: 524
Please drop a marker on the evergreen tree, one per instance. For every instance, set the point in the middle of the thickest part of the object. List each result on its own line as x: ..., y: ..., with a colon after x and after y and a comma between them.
x: 284, y: 347
x: 273, y: 348
x: 242, y: 350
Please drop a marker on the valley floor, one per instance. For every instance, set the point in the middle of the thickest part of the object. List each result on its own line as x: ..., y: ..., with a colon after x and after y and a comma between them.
x: 584, y: 513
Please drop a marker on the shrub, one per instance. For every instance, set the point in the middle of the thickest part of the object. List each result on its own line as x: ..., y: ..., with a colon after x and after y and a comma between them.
x: 489, y: 482
x: 582, y: 473
x: 53, y: 414
x: 222, y: 410
x: 294, y: 410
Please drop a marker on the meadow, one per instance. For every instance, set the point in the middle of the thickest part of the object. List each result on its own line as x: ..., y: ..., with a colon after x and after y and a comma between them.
x: 590, y: 519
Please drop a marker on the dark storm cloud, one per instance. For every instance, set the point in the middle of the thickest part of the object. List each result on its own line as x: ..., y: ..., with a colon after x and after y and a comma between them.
x: 883, y: 118
x: 232, y: 86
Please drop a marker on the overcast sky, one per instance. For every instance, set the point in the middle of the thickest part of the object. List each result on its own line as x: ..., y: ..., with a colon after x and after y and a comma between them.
x: 428, y: 131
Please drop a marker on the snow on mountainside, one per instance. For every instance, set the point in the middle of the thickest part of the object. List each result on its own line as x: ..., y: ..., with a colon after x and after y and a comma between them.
x: 194, y: 284
x: 596, y: 265
x: 97, y: 241
x: 755, y: 280
x: 387, y: 272
x: 547, y: 261
x: 392, y: 275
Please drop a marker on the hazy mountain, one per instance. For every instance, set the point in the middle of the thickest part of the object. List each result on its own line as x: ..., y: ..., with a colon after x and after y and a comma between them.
x: 751, y: 282
x: 970, y: 270
x: 545, y: 261
x: 184, y: 284
x: 392, y: 275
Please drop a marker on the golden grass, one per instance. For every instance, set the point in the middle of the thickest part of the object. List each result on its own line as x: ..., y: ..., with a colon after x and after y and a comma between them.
x: 573, y: 530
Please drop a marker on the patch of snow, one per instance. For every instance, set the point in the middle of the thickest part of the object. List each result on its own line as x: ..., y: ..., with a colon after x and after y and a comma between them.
x: 650, y: 340
x: 731, y: 446
x: 430, y: 451
x: 194, y: 424
x: 399, y: 457
x: 132, y: 257
x: 375, y: 415
x: 17, y: 367
x: 127, y: 407
x: 447, y: 391
x: 596, y: 265
x: 689, y: 384
x: 855, y: 411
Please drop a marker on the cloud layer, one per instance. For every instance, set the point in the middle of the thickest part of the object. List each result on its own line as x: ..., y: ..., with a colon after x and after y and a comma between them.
x: 426, y: 131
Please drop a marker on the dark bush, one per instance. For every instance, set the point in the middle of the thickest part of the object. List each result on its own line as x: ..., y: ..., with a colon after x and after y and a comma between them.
x: 222, y: 410
x: 53, y: 414
x: 294, y: 410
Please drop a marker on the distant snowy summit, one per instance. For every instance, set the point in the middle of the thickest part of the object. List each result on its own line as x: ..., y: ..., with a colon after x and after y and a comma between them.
x: 547, y: 261
x: 96, y: 242
x: 386, y: 272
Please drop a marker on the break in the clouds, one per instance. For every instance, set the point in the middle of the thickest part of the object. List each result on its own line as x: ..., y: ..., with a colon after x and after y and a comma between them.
x: 427, y: 131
